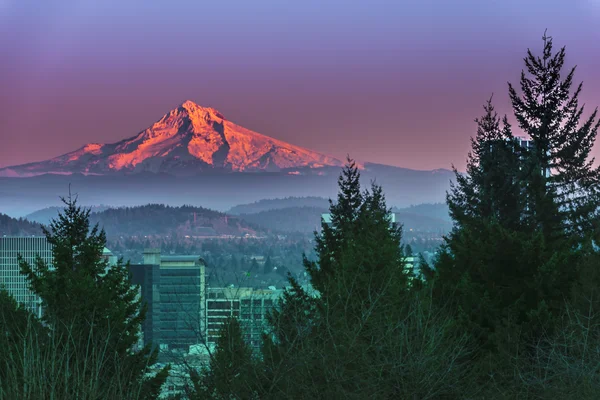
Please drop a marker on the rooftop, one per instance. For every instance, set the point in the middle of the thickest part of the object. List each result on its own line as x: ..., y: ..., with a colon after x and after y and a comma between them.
x: 180, y: 258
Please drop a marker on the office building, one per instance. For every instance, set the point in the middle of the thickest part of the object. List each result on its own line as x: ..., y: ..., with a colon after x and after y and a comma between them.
x: 147, y: 276
x: 174, y: 288
x: 10, y: 271
x: 250, y: 305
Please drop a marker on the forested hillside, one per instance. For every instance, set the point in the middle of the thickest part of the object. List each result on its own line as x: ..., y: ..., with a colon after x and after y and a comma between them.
x: 159, y: 219
x: 276, y: 204
x: 432, y: 210
x: 45, y: 215
x: 18, y: 227
x: 291, y: 219
x: 308, y: 219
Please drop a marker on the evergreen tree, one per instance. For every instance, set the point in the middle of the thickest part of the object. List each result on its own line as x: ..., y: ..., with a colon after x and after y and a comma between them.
x: 354, y: 339
x: 253, y: 266
x: 287, y: 353
x: 231, y: 371
x: 520, y: 217
x: 20, y: 332
x: 492, y: 187
x: 334, y: 237
x: 92, y: 309
x: 268, y: 267
x: 548, y: 113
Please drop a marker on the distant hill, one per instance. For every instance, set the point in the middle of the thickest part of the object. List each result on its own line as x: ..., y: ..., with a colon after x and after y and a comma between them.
x: 18, y: 227
x: 422, y: 223
x: 290, y: 219
x: 45, y: 215
x: 219, y: 191
x: 158, y: 219
x: 433, y: 210
x: 307, y: 219
x: 277, y: 204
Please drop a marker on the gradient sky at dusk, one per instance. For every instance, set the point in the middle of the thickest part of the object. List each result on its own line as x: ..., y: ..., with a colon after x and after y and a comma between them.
x: 395, y: 82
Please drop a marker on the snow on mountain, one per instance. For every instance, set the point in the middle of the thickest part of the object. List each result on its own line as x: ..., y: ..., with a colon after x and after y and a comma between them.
x: 188, y: 140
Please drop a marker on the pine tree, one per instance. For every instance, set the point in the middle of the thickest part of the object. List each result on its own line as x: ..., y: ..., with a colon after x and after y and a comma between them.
x: 343, y: 214
x: 268, y: 267
x: 20, y: 331
x: 521, y: 212
x: 492, y: 187
x: 231, y: 371
x: 552, y: 117
x: 287, y: 354
x: 92, y: 309
x: 362, y: 283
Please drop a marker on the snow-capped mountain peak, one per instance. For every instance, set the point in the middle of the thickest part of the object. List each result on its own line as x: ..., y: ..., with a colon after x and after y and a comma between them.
x: 187, y: 140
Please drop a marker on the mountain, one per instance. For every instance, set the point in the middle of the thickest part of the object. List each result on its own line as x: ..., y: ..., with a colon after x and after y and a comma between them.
x: 194, y: 156
x: 186, y: 141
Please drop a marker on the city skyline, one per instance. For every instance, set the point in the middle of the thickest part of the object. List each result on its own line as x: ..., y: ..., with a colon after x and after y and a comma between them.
x: 385, y: 82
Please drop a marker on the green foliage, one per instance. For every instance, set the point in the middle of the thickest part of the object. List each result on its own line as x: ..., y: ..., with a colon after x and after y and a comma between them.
x: 91, y: 308
x: 361, y: 334
x: 231, y: 370
x: 18, y: 326
x: 548, y: 112
x: 522, y: 216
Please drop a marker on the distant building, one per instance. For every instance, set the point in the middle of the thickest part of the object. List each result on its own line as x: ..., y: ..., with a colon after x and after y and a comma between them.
x: 173, y: 287
x: 10, y: 271
x: 109, y: 257
x: 524, y: 142
x: 248, y: 304
x: 413, y: 262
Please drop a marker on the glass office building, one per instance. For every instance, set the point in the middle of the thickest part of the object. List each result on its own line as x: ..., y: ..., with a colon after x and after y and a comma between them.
x: 148, y: 278
x: 10, y: 271
x: 178, y: 320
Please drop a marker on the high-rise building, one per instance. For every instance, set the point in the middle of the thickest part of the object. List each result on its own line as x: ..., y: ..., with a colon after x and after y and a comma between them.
x: 173, y: 288
x: 10, y: 272
x: 147, y: 276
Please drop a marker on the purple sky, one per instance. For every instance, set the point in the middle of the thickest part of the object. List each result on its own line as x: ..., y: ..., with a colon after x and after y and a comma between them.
x: 396, y: 82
